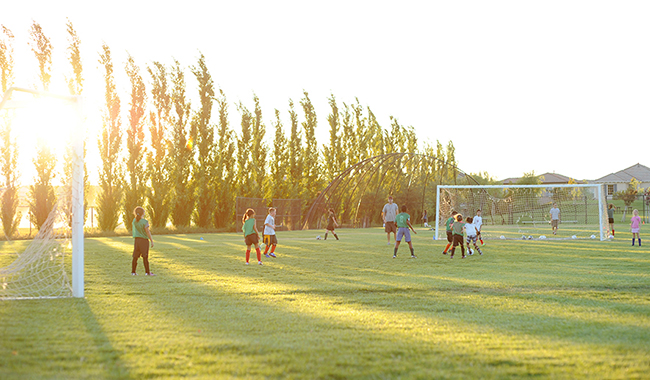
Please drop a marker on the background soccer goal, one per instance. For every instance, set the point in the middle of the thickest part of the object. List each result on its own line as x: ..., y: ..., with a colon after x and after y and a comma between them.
x: 522, y: 211
x: 44, y: 268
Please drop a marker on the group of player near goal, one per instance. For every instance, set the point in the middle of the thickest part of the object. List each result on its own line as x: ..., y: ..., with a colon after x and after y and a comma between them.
x: 399, y: 224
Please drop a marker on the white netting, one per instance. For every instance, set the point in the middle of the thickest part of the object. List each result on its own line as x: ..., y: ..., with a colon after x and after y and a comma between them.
x: 40, y: 271
x: 511, y: 212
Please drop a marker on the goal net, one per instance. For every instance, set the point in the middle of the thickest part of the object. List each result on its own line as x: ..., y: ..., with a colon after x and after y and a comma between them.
x: 523, y: 211
x: 41, y: 212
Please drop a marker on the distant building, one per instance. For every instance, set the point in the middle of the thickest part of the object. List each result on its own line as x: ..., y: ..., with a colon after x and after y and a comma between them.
x: 620, y: 180
x: 547, y: 179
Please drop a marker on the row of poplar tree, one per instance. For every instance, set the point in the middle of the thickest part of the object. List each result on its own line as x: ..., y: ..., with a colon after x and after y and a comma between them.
x: 194, y: 164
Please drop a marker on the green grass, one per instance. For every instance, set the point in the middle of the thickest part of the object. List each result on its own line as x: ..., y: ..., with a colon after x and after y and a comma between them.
x: 340, y: 309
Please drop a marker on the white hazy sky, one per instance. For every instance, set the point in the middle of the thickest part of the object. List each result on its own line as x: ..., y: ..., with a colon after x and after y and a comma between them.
x: 550, y: 86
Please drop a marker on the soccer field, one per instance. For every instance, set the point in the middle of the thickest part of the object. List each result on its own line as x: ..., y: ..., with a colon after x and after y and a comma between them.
x: 340, y: 309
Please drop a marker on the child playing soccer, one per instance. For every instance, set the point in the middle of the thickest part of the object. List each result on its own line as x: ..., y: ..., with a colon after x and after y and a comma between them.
x: 270, y: 241
x: 471, y: 231
x: 142, y: 237
x: 331, y: 223
x: 403, y: 221
x: 450, y: 232
x: 478, y: 222
x: 635, y: 226
x: 458, y: 227
x: 610, y: 217
x: 251, y: 235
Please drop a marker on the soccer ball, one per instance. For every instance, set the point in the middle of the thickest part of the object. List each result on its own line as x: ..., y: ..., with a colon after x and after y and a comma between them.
x: 542, y: 237
x: 523, y: 237
x: 593, y: 236
x: 318, y: 237
x: 530, y: 237
x: 574, y: 237
x: 502, y: 237
x: 611, y: 236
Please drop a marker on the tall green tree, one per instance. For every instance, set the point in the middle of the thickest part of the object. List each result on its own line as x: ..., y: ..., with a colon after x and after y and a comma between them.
x: 333, y: 154
x: 225, y: 168
x: 279, y: 187
x: 245, y: 163
x: 296, y: 161
x: 348, y: 137
x: 110, y: 194
x: 203, y: 135
x: 42, y: 196
x: 374, y: 144
x: 258, y: 151
x: 181, y: 152
x: 134, y: 181
x: 8, y: 147
x: 311, y: 158
x: 75, y: 82
x: 158, y: 164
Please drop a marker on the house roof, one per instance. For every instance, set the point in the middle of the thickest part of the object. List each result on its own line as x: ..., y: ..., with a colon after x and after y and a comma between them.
x: 547, y: 178
x: 638, y: 171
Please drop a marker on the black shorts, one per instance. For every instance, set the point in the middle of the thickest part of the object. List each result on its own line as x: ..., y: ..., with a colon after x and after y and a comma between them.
x: 141, y: 248
x: 270, y: 240
x: 458, y: 240
x: 611, y: 220
x: 450, y: 236
x: 252, y: 239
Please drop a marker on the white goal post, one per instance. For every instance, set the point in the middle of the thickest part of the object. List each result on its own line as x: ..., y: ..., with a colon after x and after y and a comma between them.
x: 522, y: 211
x: 77, y: 231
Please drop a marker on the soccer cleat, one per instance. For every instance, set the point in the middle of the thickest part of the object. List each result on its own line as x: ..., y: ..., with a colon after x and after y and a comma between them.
x: 149, y: 274
x: 462, y: 257
x: 480, y: 252
x: 444, y: 252
x: 247, y: 263
x: 259, y: 262
x: 394, y: 256
x: 267, y: 255
x: 414, y: 257
x: 134, y: 274
x: 388, y: 243
x: 272, y: 254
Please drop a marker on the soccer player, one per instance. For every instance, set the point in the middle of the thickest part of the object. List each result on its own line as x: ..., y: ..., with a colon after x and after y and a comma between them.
x: 142, y: 236
x: 251, y: 235
x: 270, y: 240
x: 471, y: 231
x: 450, y: 233
x: 478, y: 222
x: 555, y: 218
x: 610, y: 217
x: 388, y: 215
x: 458, y: 228
x: 331, y: 224
x: 635, y: 226
x: 403, y: 221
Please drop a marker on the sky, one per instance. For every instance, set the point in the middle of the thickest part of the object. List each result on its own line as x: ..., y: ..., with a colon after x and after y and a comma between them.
x: 517, y: 86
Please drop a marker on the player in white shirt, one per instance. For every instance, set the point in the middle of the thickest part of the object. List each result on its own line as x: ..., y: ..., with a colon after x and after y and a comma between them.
x: 478, y: 222
x: 471, y: 231
x: 269, y: 233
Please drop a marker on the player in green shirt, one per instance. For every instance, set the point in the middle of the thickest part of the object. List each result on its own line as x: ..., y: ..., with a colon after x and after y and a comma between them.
x: 251, y: 235
x: 142, y: 236
x: 458, y: 228
x: 403, y: 221
x: 450, y: 233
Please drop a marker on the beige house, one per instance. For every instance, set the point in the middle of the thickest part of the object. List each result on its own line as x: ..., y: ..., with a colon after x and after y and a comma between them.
x: 620, y: 180
x: 547, y: 179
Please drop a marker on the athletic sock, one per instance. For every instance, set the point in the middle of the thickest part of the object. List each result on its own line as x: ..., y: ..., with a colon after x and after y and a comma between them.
x: 632, y: 242
x: 335, y: 235
x: 259, y: 254
x: 266, y: 250
x: 639, y: 242
x: 447, y: 247
x: 248, y: 255
x: 613, y: 233
x: 412, y: 254
x: 395, y: 251
x: 325, y: 236
x: 273, y: 248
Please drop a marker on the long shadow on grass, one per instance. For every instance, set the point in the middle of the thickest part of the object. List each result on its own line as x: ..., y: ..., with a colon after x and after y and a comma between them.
x: 198, y: 292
